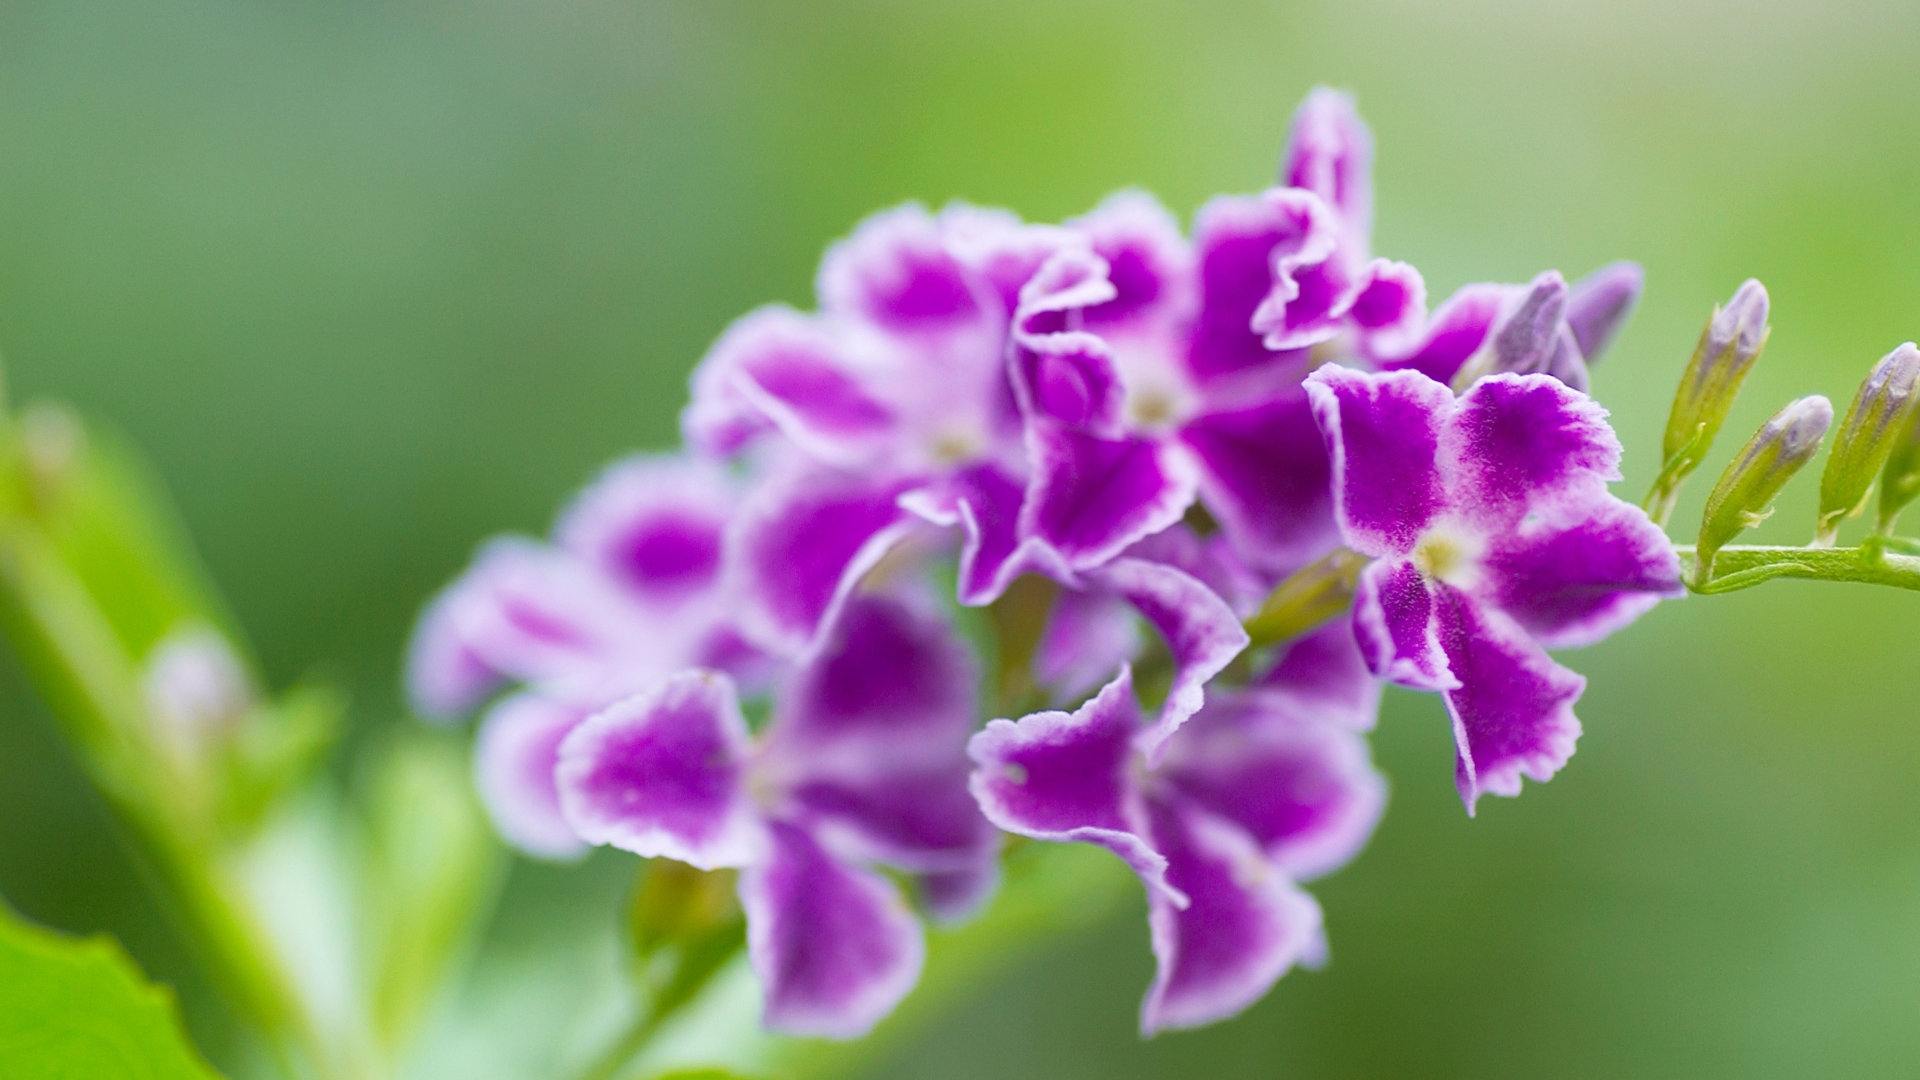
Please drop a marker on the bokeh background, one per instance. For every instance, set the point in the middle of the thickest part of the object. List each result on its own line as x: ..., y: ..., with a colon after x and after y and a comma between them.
x: 370, y: 281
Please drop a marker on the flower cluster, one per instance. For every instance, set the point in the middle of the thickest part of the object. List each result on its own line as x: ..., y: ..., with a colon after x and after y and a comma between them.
x: 1148, y: 431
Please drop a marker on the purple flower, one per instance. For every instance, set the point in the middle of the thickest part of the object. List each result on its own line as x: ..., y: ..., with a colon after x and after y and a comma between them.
x: 1331, y: 286
x: 1495, y: 539
x: 902, y: 365
x: 1144, y: 386
x: 1153, y: 371
x: 1265, y: 787
x: 889, y: 407
x: 863, y: 764
x: 632, y: 591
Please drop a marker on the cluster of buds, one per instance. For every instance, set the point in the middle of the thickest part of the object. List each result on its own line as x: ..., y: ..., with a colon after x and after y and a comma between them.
x: 1876, y: 440
x: 1167, y: 464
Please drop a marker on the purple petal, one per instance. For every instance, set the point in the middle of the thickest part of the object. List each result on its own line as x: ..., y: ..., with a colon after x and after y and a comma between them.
x: 1301, y: 786
x: 895, y: 272
x: 1149, y: 263
x: 1454, y: 333
x: 835, y: 948
x: 884, y: 673
x: 751, y: 668
x: 1091, y: 497
x: 1390, y: 304
x: 654, y: 524
x: 718, y: 420
x: 1059, y: 777
x: 1234, y: 238
x: 1070, y: 379
x: 952, y: 896
x: 1211, y: 560
x: 662, y: 774
x: 802, y: 543
x: 1513, y: 710
x: 799, y: 374
x: 1571, y: 582
x: 1330, y: 153
x: 1246, y: 925
x: 1266, y: 477
x: 514, y: 757
x: 535, y: 614
x: 1089, y: 634
x: 997, y: 248
x: 1383, y: 434
x: 869, y: 739
x: 984, y: 501
x: 1324, y: 675
x: 1393, y: 623
x: 1312, y: 290
x: 1600, y: 304
x: 1201, y: 632
x: 1063, y: 374
x: 777, y: 368
x: 444, y: 675
x: 915, y: 815
x: 1071, y: 280
x: 1526, y: 443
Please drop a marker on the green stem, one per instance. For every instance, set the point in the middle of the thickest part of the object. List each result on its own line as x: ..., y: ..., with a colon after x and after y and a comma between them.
x: 93, y: 685
x: 1877, y: 562
x: 615, y: 1059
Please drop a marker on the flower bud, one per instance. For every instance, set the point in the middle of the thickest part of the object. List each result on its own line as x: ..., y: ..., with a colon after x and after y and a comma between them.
x: 1900, y: 480
x: 1744, y: 496
x: 1875, y: 422
x: 1524, y: 342
x: 1598, y: 306
x: 1312, y: 595
x: 1564, y: 361
x: 1728, y: 347
x: 195, y: 685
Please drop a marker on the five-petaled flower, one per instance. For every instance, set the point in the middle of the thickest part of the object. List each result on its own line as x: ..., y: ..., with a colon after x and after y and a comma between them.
x: 1495, y: 539
x: 863, y: 764
x: 1267, y: 786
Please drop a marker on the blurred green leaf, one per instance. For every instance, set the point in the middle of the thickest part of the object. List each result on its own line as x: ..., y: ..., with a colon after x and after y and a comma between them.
x: 78, y: 1009
x: 111, y: 520
x: 279, y: 747
x: 433, y: 870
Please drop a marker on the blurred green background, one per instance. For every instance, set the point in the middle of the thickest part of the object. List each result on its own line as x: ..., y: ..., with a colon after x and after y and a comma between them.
x: 370, y: 281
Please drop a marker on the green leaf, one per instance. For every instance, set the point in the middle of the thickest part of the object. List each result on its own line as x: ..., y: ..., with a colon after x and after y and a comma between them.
x: 278, y: 749
x: 110, y: 515
x: 75, y: 1009
x: 433, y: 870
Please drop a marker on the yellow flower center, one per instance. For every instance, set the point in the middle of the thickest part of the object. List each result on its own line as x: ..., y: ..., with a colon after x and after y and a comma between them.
x: 1447, y: 556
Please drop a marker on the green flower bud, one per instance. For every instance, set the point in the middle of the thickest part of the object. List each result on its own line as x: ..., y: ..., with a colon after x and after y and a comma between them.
x: 1728, y: 347
x: 1900, y: 480
x: 1744, y: 496
x: 1875, y: 421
